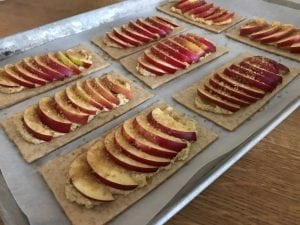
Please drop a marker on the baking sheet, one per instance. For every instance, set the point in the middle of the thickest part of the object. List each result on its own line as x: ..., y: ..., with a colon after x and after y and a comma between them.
x: 27, y: 186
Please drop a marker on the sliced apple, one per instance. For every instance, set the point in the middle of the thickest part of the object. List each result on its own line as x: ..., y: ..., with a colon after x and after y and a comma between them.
x: 122, y: 159
x: 295, y: 48
x: 136, y: 35
x: 191, y: 46
x: 160, y: 24
x: 66, y: 108
x: 207, y: 96
x: 217, y: 14
x: 253, y: 27
x: 167, y: 58
x: 54, y: 63
x: 86, y: 182
x: 144, y: 64
x: 51, y: 117
x: 140, y: 142
x: 79, y: 102
x: 10, y: 72
x: 42, y: 65
x: 208, y: 12
x: 107, y: 171
x: 172, y: 52
x: 210, y: 47
x: 269, y: 64
x: 224, y: 19
x: 288, y: 41
x: 156, y: 136
x: 104, y: 91
x: 25, y: 74
x: 142, y: 30
x: 117, y: 85
x: 80, y: 57
x: 5, y: 81
x: 189, y: 5
x: 282, y: 33
x: 165, y: 20
x: 35, y: 126
x: 118, y: 41
x: 66, y: 61
x: 136, y: 153
x: 270, y: 29
x: 148, y: 26
x: 203, y: 6
x: 32, y: 67
x: 126, y: 38
x: 163, y: 120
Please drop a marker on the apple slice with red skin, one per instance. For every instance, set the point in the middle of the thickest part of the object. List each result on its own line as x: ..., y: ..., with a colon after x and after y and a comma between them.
x: 137, y: 154
x: 35, y: 126
x: 82, y: 93
x: 295, y: 48
x: 225, y: 95
x: 278, y: 35
x: 51, y: 117
x: 269, y: 64
x: 264, y: 79
x: 160, y: 24
x: 148, y: 26
x: 55, y: 64
x: 163, y: 121
x: 236, y: 92
x: 288, y: 41
x: 247, y: 80
x: 271, y: 29
x: 193, y: 57
x: 217, y: 14
x: 118, y: 41
x: 172, y: 52
x: 21, y: 71
x: 32, y: 67
x: 250, y: 90
x: 142, y: 30
x: 42, y: 65
x: 203, y: 41
x: 140, y: 142
x: 67, y: 62
x: 80, y: 57
x: 117, y: 85
x: 253, y: 27
x: 208, y: 12
x: 144, y: 64
x: 165, y: 20
x: 156, y: 136
x: 107, y: 171
x: 122, y: 159
x: 224, y: 19
x: 105, y: 92
x: 6, y: 82
x: 78, y: 102
x: 207, y: 96
x: 92, y: 91
x: 86, y: 182
x: 262, y: 71
x: 189, y: 5
x: 159, y: 63
x: 126, y: 38
x: 201, y: 8
x: 167, y: 58
x: 10, y: 72
x: 66, y: 108
x: 136, y: 35
x: 191, y: 46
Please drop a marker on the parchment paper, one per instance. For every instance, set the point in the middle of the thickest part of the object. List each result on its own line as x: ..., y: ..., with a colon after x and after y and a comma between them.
x: 27, y: 186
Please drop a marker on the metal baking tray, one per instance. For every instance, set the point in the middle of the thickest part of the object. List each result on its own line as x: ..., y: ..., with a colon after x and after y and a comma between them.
x: 24, y: 196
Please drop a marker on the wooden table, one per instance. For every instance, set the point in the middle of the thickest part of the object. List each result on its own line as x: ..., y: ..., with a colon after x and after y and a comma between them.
x: 262, y: 188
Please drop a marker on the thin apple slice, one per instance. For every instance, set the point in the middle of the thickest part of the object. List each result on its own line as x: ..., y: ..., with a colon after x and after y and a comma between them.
x: 92, y: 91
x: 156, y: 136
x: 123, y: 160
x: 189, y: 5
x: 208, y: 12
x: 12, y: 74
x: 105, y: 92
x: 32, y: 67
x: 270, y: 29
x: 35, y: 126
x: 165, y: 20
x: 55, y: 64
x: 172, y: 52
x: 51, y: 117
x: 126, y: 38
x: 174, y: 126
x: 148, y: 26
x: 86, y: 182
x: 288, y: 41
x: 147, y: 69
x: 6, y: 82
x: 282, y: 33
x: 136, y: 153
x: 167, y: 58
x: 67, y: 62
x: 295, y: 48
x: 191, y: 46
x: 140, y: 142
x: 134, y: 34
x: 216, y: 14
x: 42, y: 65
x: 160, y: 24
x: 80, y: 57
x: 107, y: 171
x: 269, y: 64
x: 142, y: 30
x: 118, y: 41
x: 215, y: 100
x: 224, y: 19
x: 203, y: 6
x: 66, y: 108
x: 250, y: 90
x: 253, y: 27
x: 236, y: 92
x: 204, y: 41
x: 21, y: 71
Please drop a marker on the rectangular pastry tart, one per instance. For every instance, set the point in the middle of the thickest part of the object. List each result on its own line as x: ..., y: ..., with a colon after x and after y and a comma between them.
x: 171, y: 58
x: 234, y: 92
x: 37, y: 74
x: 99, y: 180
x: 136, y: 35
x: 71, y: 113
x: 201, y: 13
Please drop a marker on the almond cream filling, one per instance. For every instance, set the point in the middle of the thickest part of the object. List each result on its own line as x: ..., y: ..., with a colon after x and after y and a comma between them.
x: 11, y: 90
x: 200, y: 104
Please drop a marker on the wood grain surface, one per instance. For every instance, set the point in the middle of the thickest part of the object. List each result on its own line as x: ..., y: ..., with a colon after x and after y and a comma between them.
x: 262, y: 188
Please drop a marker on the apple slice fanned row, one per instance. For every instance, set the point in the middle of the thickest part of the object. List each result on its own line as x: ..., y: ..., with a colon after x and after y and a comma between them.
x: 203, y: 12
x: 173, y: 54
x: 132, y: 153
x: 73, y: 107
x: 37, y: 71
x: 240, y: 85
x: 282, y: 36
x: 139, y: 32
